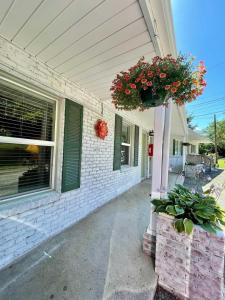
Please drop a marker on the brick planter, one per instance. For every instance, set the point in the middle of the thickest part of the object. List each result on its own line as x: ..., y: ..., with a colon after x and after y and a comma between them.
x: 190, y: 267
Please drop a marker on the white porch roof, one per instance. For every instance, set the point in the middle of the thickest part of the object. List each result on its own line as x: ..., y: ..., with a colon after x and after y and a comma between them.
x: 88, y: 42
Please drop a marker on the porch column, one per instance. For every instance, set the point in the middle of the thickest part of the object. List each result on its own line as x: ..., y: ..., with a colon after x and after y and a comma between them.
x: 160, y: 169
x: 159, y: 121
x: 166, y: 151
x: 184, y: 152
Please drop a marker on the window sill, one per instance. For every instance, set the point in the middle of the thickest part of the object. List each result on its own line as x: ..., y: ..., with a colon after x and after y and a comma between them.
x: 16, y: 205
x: 125, y: 168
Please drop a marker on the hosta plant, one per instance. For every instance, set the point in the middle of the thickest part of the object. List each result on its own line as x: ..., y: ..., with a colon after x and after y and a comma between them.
x: 189, y: 209
x: 148, y: 84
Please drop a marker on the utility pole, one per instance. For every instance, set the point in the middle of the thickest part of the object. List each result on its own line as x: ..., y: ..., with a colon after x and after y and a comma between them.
x: 215, y: 134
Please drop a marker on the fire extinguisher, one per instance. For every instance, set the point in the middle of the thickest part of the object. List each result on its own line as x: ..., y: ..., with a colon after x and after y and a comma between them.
x: 150, y: 150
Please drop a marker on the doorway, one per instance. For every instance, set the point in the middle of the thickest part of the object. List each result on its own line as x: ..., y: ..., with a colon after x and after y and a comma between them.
x: 144, y: 162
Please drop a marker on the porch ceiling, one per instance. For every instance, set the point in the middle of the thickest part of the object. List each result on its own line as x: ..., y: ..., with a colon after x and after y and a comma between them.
x: 86, y: 41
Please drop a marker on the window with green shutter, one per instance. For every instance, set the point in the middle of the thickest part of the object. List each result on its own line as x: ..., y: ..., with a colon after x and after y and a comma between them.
x: 136, y: 145
x: 117, y: 143
x: 174, y: 146
x: 181, y: 148
x: 72, y: 146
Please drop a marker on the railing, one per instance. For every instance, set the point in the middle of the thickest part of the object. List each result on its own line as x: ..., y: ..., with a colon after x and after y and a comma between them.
x: 196, y: 159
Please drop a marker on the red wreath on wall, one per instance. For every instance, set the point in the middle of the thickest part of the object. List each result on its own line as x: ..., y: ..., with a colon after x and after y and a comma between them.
x: 101, y: 129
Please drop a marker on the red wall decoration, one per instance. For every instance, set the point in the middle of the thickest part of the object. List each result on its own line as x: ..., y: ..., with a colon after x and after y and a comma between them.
x: 101, y: 129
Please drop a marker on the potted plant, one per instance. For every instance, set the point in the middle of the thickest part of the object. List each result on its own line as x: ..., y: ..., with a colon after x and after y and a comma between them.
x: 147, y: 85
x: 189, y: 258
x: 189, y: 209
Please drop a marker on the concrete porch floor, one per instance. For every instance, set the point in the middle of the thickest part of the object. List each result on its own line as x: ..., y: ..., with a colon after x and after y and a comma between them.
x: 98, y: 258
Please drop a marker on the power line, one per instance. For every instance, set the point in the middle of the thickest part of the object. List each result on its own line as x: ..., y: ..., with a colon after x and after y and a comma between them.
x: 214, y: 106
x: 209, y: 101
x: 215, y: 112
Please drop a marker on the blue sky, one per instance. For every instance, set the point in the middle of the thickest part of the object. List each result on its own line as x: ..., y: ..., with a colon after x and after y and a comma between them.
x: 200, y: 30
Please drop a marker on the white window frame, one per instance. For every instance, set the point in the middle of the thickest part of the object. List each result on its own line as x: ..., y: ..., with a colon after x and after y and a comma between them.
x: 13, y: 140
x: 130, y: 145
x: 193, y: 147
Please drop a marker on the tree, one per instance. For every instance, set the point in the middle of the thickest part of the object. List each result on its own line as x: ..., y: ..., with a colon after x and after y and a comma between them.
x: 220, y: 125
x: 206, y: 148
x: 189, y: 122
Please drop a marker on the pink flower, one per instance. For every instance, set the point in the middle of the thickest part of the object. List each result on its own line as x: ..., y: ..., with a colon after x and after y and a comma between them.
x: 132, y: 85
x: 127, y: 92
x: 173, y: 90
x: 176, y: 83
x: 127, y: 77
x: 162, y: 75
x: 167, y: 87
x: 143, y: 80
x: 149, y: 83
x: 150, y: 73
x: 155, y: 59
x: 203, y: 82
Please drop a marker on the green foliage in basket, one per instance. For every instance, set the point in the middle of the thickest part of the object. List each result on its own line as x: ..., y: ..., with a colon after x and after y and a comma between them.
x: 191, y: 209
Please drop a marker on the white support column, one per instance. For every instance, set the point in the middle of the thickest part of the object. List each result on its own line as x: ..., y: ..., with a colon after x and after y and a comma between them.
x: 184, y: 152
x: 159, y: 120
x: 166, y: 150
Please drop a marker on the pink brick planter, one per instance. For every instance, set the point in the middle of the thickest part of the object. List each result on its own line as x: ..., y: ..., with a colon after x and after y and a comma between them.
x: 190, y: 267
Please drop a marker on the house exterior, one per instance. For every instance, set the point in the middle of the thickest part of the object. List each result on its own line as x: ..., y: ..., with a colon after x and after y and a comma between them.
x: 57, y: 61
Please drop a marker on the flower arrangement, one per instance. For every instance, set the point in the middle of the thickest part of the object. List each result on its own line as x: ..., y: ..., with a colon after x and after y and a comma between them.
x: 151, y: 84
x: 101, y: 129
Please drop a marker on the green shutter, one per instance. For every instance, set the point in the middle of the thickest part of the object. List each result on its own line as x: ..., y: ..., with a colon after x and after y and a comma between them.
x: 117, y: 143
x: 174, y: 146
x: 72, y: 146
x: 136, y: 145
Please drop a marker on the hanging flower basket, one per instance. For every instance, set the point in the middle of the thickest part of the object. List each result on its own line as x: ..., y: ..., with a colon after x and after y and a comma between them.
x: 148, y: 85
x: 150, y: 100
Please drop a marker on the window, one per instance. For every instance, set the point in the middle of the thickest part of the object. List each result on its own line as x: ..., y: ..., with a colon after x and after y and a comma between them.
x: 125, y: 144
x: 175, y: 147
x: 193, y: 148
x: 26, y: 141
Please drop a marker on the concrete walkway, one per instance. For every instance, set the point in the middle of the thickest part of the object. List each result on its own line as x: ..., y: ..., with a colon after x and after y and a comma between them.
x: 99, y: 258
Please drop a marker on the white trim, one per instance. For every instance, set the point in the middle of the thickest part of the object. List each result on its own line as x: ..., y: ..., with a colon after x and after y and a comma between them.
x: 12, y: 82
x: 21, y: 141
x: 13, y: 140
x: 125, y: 144
x: 54, y: 148
x: 149, y: 18
x: 168, y: 15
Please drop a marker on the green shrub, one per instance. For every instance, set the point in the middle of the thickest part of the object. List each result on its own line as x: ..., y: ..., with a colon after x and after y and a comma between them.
x: 191, y: 208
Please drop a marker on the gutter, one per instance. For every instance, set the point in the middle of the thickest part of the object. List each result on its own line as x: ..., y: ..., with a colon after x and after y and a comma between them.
x: 149, y: 20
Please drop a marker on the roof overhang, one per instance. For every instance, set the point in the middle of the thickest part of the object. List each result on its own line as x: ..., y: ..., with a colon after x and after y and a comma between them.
x: 197, y: 137
x: 88, y: 42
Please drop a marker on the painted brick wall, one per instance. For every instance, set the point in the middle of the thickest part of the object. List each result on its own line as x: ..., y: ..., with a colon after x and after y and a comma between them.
x: 190, y: 267
x: 27, y: 221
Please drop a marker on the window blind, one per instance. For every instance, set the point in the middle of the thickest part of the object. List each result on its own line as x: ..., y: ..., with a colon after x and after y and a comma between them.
x: 24, y: 116
x: 24, y: 166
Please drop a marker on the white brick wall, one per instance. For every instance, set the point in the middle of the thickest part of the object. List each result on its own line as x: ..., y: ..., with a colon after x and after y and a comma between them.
x: 27, y: 221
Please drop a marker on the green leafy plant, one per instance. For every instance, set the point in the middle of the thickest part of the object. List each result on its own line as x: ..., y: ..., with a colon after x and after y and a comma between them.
x: 191, y: 209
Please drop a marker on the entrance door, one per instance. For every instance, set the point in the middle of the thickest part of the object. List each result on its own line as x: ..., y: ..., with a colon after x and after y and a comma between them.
x: 144, y: 163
